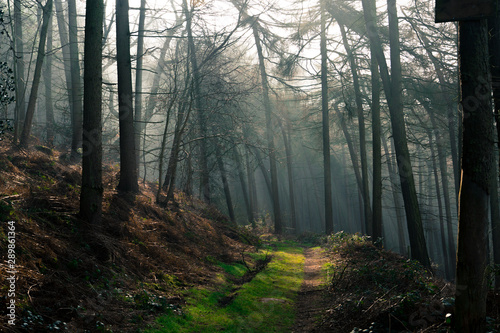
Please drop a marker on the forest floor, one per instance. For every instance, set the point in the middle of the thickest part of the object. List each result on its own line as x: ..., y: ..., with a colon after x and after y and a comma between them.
x: 311, y: 303
x: 185, y: 268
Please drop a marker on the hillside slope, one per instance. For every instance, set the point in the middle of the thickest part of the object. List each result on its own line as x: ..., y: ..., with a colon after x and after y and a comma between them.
x: 115, y: 276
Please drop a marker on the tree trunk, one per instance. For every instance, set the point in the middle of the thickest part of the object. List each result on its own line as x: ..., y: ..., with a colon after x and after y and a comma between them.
x: 376, y: 144
x: 138, y: 83
x: 448, y: 270
x: 243, y: 184
x: 286, y: 132
x: 162, y: 149
x: 391, y: 166
x: 63, y: 37
x: 494, y: 50
x: 49, y: 109
x: 392, y: 88
x: 92, y: 190
x: 278, y: 228
x: 128, y: 167
x: 76, y: 88
x: 446, y: 194
x: 180, y: 126
x: 252, y: 191
x: 352, y: 150
x: 25, y: 135
x: 477, y: 159
x: 19, y: 69
x: 495, y: 221
x: 325, y: 125
x: 225, y: 184
x: 362, y: 138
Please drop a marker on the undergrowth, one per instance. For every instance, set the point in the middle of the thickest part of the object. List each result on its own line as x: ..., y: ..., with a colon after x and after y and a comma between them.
x: 374, y: 289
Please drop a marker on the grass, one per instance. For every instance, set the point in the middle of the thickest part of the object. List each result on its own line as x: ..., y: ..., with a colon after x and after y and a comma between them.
x: 265, y: 304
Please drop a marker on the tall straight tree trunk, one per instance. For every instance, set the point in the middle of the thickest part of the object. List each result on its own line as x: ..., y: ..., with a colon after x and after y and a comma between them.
x: 92, y: 190
x: 327, y: 174
x: 441, y: 154
x: 30, y: 112
x: 252, y: 191
x: 494, y: 50
x: 376, y: 144
x: 19, y: 69
x: 62, y: 25
x: 286, y: 132
x: 180, y: 126
x: 362, y: 136
x: 138, y: 82
x: 278, y: 228
x: 128, y: 167
x: 225, y: 184
x: 477, y: 159
x: 446, y: 195
x: 198, y: 103
x: 351, y: 148
x: 449, y: 272
x: 76, y: 87
x: 49, y: 109
x: 495, y: 220
x: 244, y: 187
x: 391, y: 166
x: 393, y: 88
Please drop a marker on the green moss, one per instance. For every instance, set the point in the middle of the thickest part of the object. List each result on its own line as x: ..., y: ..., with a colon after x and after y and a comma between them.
x: 265, y: 304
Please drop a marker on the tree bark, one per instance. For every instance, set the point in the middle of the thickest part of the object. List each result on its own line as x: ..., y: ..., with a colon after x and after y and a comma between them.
x: 494, y: 50
x: 477, y: 159
x: 63, y: 37
x: 128, y: 162
x: 252, y: 191
x: 243, y: 184
x: 325, y: 125
x: 76, y: 87
x: 19, y: 69
x: 225, y: 184
x: 92, y: 190
x: 449, y: 271
x: 376, y: 144
x: 180, y: 126
x: 286, y: 133
x: 446, y: 195
x: 138, y: 83
x: 25, y: 135
x: 49, y: 109
x: 391, y: 166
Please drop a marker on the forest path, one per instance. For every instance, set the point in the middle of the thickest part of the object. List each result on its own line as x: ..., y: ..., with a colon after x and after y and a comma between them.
x: 311, y: 302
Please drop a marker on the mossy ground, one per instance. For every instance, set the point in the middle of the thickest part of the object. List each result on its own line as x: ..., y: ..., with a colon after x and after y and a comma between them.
x: 265, y: 304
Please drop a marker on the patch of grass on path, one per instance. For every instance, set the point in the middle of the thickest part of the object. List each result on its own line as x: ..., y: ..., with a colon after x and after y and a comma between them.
x: 265, y: 304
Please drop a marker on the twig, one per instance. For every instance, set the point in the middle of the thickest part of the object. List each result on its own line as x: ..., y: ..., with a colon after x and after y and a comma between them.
x: 378, y: 299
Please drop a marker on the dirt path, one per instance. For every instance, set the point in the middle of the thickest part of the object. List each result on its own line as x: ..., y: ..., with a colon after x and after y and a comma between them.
x: 311, y: 303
